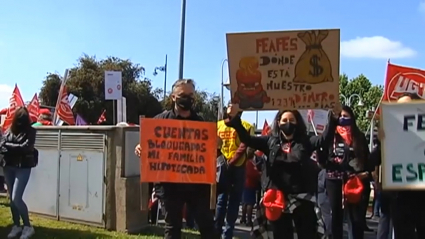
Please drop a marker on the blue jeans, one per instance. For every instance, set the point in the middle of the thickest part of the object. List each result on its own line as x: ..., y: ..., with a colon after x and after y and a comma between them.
x: 16, y: 181
x: 229, y: 200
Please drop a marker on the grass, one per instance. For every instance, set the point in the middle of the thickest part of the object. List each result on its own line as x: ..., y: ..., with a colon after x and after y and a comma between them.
x: 52, y: 229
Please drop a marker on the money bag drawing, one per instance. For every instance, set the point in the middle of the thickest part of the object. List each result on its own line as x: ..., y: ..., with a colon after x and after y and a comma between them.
x: 314, y: 66
x: 250, y: 92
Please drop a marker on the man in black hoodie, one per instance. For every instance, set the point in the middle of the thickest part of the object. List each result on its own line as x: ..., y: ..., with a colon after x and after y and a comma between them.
x: 407, y: 208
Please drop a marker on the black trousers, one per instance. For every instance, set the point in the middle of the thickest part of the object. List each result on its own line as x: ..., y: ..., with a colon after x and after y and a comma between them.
x: 354, y: 212
x: 305, y: 221
x: 365, y: 201
x: 197, y: 197
x: 408, y: 215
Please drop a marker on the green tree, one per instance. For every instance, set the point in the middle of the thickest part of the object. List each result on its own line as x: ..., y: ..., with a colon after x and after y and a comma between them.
x: 50, y: 90
x: 206, y: 104
x: 86, y: 81
x: 370, y: 96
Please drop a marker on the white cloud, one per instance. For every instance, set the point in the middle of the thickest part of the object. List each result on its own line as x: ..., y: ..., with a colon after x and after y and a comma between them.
x: 376, y: 47
x: 5, y: 93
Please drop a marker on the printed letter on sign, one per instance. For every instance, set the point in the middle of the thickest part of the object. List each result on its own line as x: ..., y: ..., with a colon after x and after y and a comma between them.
x: 178, y: 151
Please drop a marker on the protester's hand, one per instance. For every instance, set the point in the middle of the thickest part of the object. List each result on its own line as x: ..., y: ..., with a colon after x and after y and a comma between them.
x: 138, y: 150
x: 231, y: 111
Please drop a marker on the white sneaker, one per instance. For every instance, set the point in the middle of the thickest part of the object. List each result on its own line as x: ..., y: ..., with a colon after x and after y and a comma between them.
x: 27, y: 232
x: 15, y: 232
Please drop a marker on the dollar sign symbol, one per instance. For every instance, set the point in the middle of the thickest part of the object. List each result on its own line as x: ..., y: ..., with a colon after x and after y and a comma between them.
x: 317, y: 69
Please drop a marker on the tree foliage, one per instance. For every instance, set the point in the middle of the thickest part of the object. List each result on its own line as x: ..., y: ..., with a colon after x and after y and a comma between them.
x: 370, y: 96
x: 206, y: 104
x: 86, y: 81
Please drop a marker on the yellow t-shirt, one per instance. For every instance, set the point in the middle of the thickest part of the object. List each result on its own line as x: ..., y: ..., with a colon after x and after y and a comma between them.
x: 231, y: 140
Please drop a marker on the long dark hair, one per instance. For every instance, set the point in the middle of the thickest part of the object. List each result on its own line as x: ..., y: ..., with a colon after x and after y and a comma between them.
x: 301, y: 127
x: 357, y: 135
x: 21, y: 121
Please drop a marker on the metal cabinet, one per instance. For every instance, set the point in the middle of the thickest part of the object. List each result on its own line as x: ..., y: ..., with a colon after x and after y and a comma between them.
x: 82, y: 167
x: 41, y: 192
x: 68, y: 182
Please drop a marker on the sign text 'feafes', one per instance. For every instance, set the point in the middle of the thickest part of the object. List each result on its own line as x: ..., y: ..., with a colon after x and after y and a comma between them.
x: 284, y: 70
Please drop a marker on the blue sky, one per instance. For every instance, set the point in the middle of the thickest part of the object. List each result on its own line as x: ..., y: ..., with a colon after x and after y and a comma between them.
x: 48, y: 36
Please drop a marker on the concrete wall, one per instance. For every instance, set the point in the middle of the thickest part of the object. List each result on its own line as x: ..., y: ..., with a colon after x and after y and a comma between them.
x: 123, y: 194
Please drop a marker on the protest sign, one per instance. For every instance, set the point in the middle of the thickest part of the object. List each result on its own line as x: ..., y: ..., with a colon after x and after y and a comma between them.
x: 178, y: 151
x: 403, y: 147
x: 284, y: 70
x: 319, y: 118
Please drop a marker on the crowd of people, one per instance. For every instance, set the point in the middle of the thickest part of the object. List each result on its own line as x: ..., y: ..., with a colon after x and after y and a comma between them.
x: 300, y: 197
x: 293, y: 195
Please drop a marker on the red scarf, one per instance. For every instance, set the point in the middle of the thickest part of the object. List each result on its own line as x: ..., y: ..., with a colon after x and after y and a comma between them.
x: 345, y: 133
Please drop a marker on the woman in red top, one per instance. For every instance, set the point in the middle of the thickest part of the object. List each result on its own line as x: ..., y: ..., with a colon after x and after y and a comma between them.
x: 251, y: 184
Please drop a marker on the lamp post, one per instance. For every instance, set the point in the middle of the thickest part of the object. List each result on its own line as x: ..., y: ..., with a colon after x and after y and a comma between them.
x: 348, y: 101
x: 163, y: 69
x: 227, y: 85
x: 182, y: 31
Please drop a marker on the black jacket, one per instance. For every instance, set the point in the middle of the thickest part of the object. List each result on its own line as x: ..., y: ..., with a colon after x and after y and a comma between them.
x: 18, y: 150
x: 347, y: 153
x: 292, y: 172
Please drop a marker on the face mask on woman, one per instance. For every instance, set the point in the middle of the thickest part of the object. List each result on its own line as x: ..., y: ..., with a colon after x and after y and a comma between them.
x: 344, y: 121
x: 288, y: 128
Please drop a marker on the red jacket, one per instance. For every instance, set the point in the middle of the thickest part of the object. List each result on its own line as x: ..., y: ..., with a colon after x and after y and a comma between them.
x: 252, y: 175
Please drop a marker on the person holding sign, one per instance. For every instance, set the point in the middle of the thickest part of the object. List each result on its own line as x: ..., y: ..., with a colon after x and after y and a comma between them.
x: 407, y: 208
x: 175, y: 195
x: 289, y: 208
x: 235, y: 153
x: 347, y: 165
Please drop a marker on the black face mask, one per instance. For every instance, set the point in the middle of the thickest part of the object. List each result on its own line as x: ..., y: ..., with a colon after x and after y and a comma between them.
x: 288, y: 128
x: 185, y: 103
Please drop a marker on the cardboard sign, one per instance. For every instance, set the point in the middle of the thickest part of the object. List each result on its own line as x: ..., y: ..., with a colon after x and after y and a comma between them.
x: 178, y: 151
x: 403, y: 147
x: 284, y: 70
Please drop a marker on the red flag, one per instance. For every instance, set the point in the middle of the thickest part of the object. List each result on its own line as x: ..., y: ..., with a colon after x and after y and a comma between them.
x: 34, y: 108
x: 265, y: 131
x: 102, y: 117
x: 266, y: 128
x: 15, y: 102
x: 401, y: 79
x: 63, y: 109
